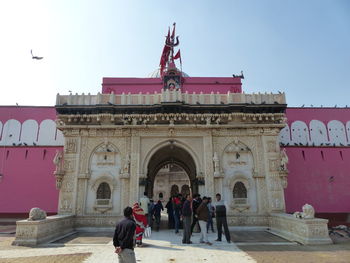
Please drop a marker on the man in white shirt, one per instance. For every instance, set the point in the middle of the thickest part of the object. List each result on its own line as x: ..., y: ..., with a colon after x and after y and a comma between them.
x: 221, y: 221
x: 144, y: 203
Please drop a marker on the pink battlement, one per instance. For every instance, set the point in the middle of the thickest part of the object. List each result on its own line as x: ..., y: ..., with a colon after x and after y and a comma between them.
x: 23, y: 113
x: 190, y: 84
x: 322, y: 114
x: 27, y: 178
x: 319, y: 175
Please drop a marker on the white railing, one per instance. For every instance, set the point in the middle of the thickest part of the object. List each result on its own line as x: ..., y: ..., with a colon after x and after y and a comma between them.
x: 170, y: 96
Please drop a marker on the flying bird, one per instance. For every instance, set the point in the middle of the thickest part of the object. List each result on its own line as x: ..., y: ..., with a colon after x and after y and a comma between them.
x: 35, y: 57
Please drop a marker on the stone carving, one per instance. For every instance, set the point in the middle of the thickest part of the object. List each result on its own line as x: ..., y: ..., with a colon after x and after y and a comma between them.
x: 71, y: 146
x: 284, y: 160
x: 36, y: 214
x: 308, y: 212
x: 216, y: 165
x: 69, y: 165
x: 271, y: 146
x: 57, y: 160
x: 59, y: 172
x: 126, y: 167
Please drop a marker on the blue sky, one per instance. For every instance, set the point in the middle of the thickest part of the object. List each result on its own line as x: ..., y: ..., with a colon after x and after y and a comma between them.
x: 299, y: 47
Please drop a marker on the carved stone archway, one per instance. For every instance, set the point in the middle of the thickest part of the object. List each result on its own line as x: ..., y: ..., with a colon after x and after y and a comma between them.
x: 171, y: 154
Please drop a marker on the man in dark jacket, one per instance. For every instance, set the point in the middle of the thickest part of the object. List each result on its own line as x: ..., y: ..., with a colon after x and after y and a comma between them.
x: 124, y: 236
x: 157, y: 210
x: 186, y: 216
x: 195, y: 204
x: 220, y: 214
x: 203, y: 214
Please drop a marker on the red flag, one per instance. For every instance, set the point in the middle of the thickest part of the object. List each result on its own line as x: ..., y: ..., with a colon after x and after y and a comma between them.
x: 178, y: 56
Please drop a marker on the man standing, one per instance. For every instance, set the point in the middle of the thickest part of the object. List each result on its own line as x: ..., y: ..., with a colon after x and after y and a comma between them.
x: 195, y: 205
x: 220, y: 213
x: 203, y: 213
x: 144, y: 204
x: 186, y: 215
x: 124, y: 236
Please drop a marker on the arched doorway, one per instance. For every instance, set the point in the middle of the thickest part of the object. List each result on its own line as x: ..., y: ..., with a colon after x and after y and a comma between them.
x: 176, y: 160
x: 170, y: 180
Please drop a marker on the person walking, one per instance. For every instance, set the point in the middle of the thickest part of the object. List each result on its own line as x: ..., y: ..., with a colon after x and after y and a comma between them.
x: 158, y: 207
x: 177, y: 213
x: 211, y: 215
x: 124, y: 236
x: 186, y: 217
x: 195, y: 205
x: 203, y: 213
x: 144, y: 204
x: 170, y: 212
x: 221, y: 221
x: 141, y: 223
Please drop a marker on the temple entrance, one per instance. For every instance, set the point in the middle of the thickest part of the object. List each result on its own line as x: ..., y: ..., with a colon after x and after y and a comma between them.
x: 171, y: 170
x: 170, y: 180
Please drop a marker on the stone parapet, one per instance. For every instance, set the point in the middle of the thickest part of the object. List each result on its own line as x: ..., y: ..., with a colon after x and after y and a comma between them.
x: 166, y: 96
x: 305, y: 231
x: 32, y: 233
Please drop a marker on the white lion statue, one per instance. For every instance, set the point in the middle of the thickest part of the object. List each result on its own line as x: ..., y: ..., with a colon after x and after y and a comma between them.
x: 36, y: 214
x: 308, y: 212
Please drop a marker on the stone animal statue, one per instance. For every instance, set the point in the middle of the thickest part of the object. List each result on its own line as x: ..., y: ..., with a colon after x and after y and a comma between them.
x: 308, y: 212
x: 36, y: 214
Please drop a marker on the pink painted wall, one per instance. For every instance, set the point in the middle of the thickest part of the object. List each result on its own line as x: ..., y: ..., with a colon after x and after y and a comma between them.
x: 23, y: 113
x: 191, y: 84
x: 322, y: 182
x: 322, y: 114
x: 310, y: 179
x: 28, y: 179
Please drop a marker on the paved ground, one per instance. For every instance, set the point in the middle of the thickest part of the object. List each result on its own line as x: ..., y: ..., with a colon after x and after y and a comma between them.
x: 165, y: 246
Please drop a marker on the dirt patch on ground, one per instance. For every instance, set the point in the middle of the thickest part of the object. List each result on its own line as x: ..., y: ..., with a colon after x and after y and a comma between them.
x: 339, y: 253
x: 66, y: 258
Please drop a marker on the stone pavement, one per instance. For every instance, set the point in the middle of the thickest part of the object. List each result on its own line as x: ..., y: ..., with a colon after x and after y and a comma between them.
x: 165, y: 246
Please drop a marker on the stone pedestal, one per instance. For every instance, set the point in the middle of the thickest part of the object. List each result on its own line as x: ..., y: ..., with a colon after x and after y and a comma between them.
x: 32, y: 233
x: 305, y: 231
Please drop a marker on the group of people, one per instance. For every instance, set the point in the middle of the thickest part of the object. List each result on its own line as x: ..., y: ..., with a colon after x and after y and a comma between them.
x: 202, y: 210
x: 186, y: 210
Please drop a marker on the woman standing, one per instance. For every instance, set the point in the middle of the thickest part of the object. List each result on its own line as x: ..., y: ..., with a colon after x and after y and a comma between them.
x: 141, y: 222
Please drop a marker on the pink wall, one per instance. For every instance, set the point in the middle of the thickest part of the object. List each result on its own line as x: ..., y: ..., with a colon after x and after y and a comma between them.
x: 28, y: 179
x: 322, y: 182
x: 191, y: 84
x: 23, y: 113
x: 310, y: 179
x: 323, y: 114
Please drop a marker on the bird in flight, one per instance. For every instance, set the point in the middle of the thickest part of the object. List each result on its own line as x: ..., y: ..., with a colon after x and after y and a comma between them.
x: 35, y: 57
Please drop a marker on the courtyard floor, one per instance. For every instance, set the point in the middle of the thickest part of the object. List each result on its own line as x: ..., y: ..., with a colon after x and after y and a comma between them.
x: 165, y: 246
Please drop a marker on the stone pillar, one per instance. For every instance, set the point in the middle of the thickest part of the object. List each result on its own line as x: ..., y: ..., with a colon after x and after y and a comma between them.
x: 208, y: 164
x: 134, y: 168
x: 275, y: 192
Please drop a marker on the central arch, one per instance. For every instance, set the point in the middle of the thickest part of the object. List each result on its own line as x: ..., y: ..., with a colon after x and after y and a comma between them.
x: 171, y: 154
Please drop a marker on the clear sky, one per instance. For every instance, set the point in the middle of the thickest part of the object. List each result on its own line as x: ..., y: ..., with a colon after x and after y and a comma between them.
x: 296, y: 46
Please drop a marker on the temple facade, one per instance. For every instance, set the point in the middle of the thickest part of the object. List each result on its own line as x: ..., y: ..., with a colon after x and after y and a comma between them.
x: 127, y: 140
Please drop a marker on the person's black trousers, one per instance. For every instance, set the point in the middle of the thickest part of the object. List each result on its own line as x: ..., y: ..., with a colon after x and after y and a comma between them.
x: 220, y: 222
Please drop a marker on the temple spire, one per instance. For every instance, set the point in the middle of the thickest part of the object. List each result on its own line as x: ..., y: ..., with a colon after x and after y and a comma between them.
x: 168, y: 57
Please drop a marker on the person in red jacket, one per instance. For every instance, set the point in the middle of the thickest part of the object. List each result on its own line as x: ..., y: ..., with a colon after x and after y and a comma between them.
x: 141, y: 222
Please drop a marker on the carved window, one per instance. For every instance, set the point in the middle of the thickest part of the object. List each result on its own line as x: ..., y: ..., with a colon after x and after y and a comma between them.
x: 103, y: 191
x: 239, y: 190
